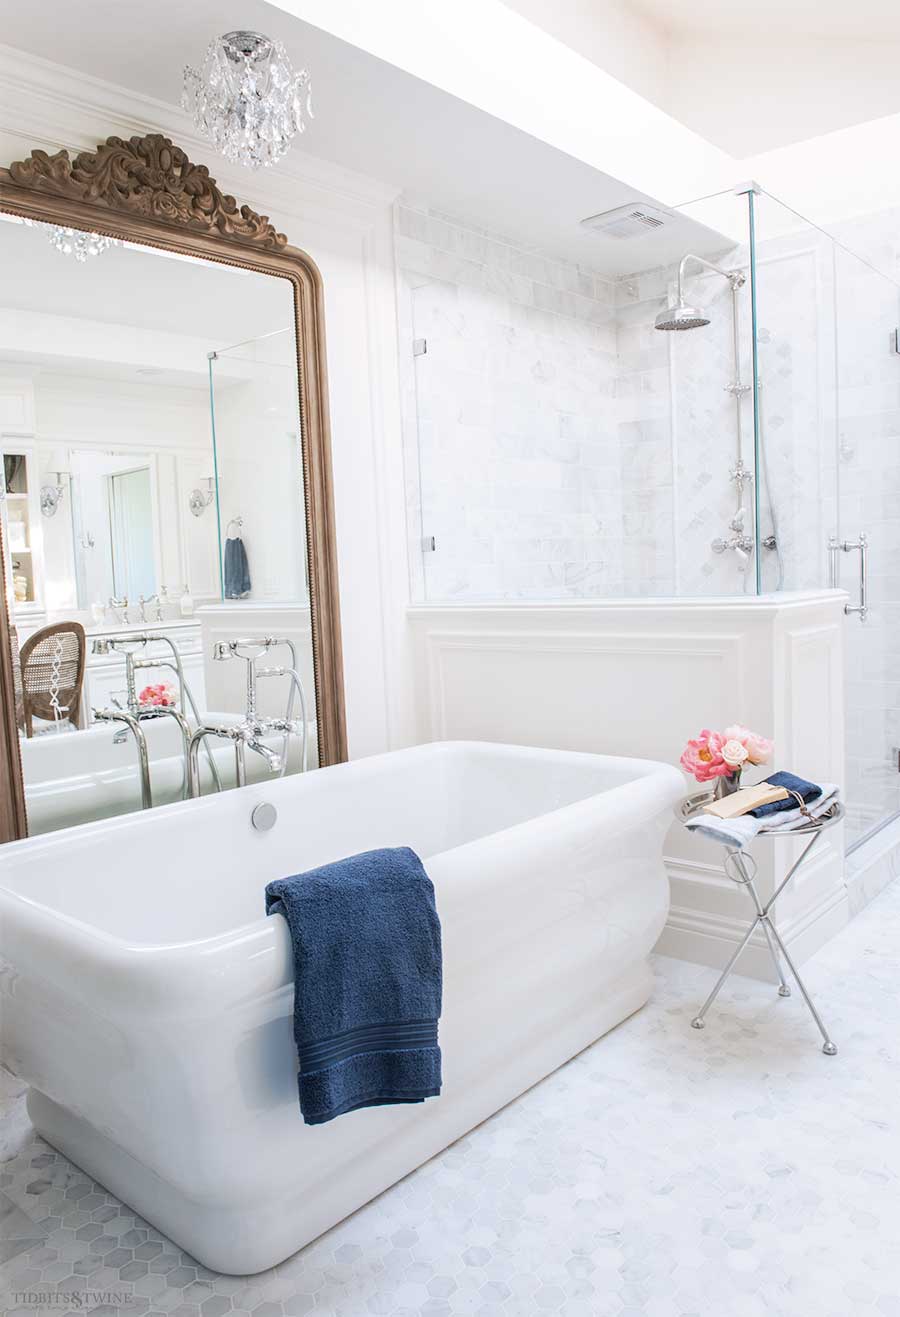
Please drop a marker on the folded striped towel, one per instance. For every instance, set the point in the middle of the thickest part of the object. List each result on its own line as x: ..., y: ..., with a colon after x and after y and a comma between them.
x: 739, y: 832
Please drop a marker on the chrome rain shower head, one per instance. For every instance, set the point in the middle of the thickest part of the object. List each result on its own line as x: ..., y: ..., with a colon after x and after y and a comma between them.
x: 680, y: 317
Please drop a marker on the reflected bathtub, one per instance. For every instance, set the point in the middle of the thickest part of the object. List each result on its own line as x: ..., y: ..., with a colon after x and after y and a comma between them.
x: 72, y: 777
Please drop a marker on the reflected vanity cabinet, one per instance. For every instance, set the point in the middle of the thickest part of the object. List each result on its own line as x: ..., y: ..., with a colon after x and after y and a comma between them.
x: 20, y: 498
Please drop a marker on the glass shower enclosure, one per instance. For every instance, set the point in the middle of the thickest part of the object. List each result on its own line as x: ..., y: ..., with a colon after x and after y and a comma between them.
x: 721, y: 424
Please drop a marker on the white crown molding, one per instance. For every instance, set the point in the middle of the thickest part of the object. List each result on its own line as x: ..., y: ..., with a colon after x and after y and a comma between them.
x: 48, y: 105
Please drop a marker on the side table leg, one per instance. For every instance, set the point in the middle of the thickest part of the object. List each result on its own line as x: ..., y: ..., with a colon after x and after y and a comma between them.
x: 739, y: 860
x: 698, y: 1021
x: 783, y: 989
x: 828, y: 1046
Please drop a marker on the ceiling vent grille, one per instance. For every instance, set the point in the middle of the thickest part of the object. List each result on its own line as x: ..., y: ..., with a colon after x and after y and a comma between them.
x: 628, y: 221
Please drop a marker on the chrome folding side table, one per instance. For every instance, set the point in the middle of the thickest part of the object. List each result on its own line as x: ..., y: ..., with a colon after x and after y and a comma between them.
x: 741, y: 869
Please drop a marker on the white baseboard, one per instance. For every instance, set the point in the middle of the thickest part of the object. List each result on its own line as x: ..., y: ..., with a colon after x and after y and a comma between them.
x: 710, y: 939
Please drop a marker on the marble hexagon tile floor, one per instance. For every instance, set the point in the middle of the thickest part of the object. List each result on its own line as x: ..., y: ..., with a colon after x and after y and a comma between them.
x: 733, y: 1173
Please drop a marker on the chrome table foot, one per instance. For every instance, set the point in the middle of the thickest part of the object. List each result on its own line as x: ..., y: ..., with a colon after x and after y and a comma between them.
x: 783, y: 990
x: 697, y: 1023
x: 829, y: 1049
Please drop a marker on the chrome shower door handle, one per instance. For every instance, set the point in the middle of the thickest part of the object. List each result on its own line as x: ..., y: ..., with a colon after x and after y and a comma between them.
x: 860, y: 546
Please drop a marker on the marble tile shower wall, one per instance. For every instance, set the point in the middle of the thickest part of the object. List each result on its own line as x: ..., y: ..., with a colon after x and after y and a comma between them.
x: 643, y: 392
x: 510, y: 417
x: 601, y: 448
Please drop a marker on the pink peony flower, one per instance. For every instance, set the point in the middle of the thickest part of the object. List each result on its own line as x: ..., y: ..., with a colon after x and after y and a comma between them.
x: 703, y: 758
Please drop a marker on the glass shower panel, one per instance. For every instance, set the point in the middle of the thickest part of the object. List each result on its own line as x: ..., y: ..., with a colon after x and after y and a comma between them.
x: 829, y: 389
x: 797, y: 396
x: 517, y: 442
x: 868, y: 482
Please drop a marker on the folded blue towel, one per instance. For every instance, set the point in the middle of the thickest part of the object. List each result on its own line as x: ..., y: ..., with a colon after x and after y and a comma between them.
x: 367, y: 981
x: 808, y: 791
x: 237, y: 569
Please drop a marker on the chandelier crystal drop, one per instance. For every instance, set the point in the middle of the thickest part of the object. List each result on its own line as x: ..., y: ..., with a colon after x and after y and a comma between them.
x: 75, y: 242
x: 247, y: 99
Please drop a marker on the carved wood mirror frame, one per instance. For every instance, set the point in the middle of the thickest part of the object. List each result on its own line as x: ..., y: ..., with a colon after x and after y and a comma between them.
x: 146, y: 190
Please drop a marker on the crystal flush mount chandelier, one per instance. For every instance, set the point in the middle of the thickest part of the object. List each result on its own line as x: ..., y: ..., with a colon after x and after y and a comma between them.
x: 247, y: 99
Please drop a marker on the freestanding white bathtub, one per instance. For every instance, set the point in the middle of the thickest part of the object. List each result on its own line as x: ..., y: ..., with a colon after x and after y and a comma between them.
x: 147, y: 1000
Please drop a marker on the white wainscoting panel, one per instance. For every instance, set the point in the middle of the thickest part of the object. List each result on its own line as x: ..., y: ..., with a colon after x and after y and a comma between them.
x: 638, y: 678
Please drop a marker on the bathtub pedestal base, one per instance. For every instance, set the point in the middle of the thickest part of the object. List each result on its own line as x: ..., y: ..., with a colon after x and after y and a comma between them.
x: 251, y: 1236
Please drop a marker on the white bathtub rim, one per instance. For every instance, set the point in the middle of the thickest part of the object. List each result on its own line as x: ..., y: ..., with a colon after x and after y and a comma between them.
x: 82, y: 832
x: 86, y: 956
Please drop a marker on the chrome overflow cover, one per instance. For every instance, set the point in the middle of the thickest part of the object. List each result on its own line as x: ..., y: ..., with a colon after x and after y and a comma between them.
x: 263, y: 816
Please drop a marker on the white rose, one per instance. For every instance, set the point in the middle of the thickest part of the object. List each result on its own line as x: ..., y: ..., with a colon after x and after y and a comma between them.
x: 734, y: 753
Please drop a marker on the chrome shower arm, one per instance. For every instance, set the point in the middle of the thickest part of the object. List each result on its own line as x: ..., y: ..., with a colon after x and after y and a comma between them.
x: 734, y: 277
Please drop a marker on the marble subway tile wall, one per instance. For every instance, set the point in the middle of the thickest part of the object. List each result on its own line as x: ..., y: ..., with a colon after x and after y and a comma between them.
x: 644, y: 395
x: 510, y: 417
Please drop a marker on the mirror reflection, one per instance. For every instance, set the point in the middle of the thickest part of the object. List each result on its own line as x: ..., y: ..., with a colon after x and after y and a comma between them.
x: 154, y: 525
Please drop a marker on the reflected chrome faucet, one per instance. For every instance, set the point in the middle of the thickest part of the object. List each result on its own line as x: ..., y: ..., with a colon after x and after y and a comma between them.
x: 136, y: 713
x: 122, y: 606
x: 250, y: 732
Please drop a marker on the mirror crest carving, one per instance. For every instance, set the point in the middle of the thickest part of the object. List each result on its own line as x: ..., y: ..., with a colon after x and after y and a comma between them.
x: 146, y: 176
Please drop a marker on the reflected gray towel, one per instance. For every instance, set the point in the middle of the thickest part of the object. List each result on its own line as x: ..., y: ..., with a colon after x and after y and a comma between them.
x: 237, y: 569
x: 367, y: 981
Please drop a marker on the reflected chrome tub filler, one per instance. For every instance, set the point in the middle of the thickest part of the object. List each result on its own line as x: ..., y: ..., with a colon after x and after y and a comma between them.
x: 147, y: 1000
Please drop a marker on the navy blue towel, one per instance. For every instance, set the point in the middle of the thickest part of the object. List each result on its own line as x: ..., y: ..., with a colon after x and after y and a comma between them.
x: 367, y: 981
x: 237, y: 569
x: 807, y: 790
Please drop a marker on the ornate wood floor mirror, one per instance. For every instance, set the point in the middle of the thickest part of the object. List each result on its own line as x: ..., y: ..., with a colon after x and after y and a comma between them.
x: 146, y: 191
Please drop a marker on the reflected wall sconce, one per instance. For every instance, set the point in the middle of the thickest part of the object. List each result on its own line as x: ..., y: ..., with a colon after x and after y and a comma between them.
x: 199, y: 500
x: 52, y: 495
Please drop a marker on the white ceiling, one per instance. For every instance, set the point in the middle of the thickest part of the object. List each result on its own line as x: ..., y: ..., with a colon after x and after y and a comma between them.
x: 371, y: 117
x: 862, y: 20
x: 749, y: 76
